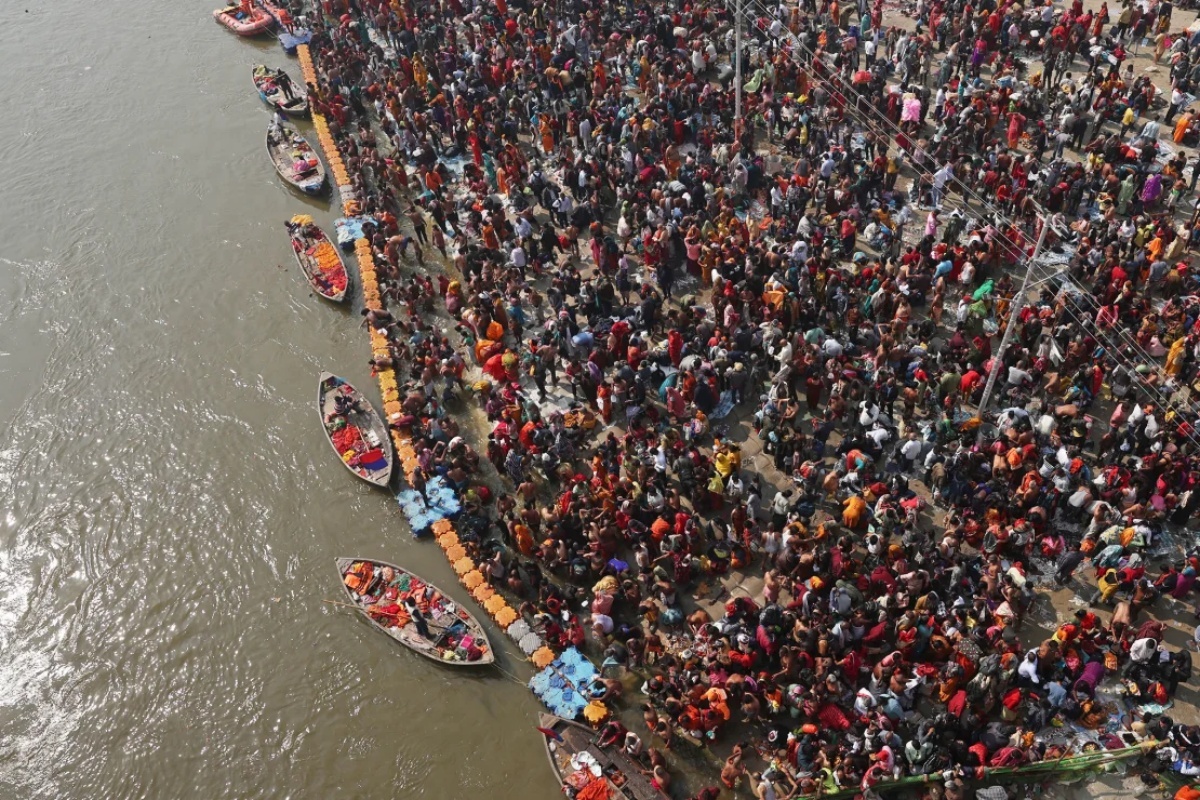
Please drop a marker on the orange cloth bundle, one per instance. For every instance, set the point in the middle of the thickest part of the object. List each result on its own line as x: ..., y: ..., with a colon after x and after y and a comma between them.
x: 596, y: 790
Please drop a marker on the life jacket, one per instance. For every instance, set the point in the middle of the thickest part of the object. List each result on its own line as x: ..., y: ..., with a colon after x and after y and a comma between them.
x: 358, y: 577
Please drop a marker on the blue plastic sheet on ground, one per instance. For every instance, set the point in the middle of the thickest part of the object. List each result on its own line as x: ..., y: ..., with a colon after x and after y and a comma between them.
x: 724, y: 407
x: 350, y: 229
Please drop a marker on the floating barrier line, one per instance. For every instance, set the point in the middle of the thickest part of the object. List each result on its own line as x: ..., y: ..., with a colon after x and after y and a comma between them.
x: 539, y: 653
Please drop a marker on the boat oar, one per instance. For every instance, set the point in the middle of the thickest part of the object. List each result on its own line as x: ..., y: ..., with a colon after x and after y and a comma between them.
x: 344, y: 605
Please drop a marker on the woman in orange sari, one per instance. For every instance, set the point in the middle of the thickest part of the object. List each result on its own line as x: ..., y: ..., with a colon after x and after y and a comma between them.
x: 643, y: 73
x: 420, y: 74
x: 604, y: 401
x: 547, y: 134
x: 1181, y: 127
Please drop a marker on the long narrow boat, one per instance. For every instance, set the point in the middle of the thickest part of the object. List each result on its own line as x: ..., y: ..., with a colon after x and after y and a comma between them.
x: 267, y: 82
x: 382, y: 592
x: 242, y: 23
x: 294, y: 158
x: 318, y: 258
x: 577, y: 761
x: 355, y: 431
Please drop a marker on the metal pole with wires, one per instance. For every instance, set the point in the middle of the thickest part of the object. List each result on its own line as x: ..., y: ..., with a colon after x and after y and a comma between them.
x: 1013, y: 314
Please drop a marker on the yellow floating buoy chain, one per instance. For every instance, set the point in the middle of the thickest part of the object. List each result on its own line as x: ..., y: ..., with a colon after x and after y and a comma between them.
x: 468, y: 570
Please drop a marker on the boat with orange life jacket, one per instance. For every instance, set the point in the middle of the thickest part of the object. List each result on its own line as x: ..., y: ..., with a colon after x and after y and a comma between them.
x: 415, y: 613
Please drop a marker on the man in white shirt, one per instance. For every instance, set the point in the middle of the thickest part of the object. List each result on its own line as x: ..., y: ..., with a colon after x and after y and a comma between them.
x: 517, y: 256
x: 585, y: 134
x: 1142, y: 651
x: 1029, y: 668
x: 911, y: 451
x: 523, y: 228
x: 868, y: 413
x: 966, y: 275
x: 563, y: 207
x: 940, y: 179
x: 879, y: 435
x: 800, y: 251
x: 1177, y: 98
x: 1018, y: 376
x: 779, y: 507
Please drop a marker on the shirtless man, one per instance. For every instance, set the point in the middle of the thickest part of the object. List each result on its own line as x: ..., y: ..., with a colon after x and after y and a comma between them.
x: 733, y: 769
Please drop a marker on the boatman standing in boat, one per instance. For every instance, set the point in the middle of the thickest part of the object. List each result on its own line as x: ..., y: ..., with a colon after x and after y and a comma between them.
x: 417, y: 617
x: 284, y: 82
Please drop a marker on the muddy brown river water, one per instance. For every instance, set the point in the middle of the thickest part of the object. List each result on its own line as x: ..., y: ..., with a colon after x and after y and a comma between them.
x: 170, y: 510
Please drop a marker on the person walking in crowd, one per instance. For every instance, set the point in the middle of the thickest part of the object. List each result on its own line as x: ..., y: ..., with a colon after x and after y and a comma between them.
x: 604, y: 215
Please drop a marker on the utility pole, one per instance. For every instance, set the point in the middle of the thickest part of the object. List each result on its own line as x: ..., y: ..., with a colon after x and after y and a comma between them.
x: 1013, y: 315
x: 737, y: 71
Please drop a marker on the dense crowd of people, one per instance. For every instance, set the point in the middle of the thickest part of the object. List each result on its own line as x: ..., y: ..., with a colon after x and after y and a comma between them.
x: 833, y: 267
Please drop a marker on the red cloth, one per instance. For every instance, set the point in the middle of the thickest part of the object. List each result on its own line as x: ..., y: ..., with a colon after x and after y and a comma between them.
x: 346, y: 438
x: 832, y: 717
x: 596, y: 790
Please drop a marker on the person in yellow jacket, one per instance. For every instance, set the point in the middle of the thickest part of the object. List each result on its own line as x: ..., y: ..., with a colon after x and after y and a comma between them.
x: 1128, y: 120
x: 1106, y: 587
x: 854, y: 508
x: 1175, y: 357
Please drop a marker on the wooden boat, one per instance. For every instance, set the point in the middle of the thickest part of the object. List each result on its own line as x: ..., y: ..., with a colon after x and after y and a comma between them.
x: 319, y: 258
x: 294, y: 159
x: 456, y: 637
x: 244, y: 23
x: 266, y: 80
x: 355, y: 431
x: 625, y: 779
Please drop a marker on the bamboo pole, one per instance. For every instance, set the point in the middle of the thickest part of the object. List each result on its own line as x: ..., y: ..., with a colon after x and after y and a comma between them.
x: 1026, y: 773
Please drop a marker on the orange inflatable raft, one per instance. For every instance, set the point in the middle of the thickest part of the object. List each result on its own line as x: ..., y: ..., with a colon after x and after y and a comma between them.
x: 244, y: 22
x: 277, y: 11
